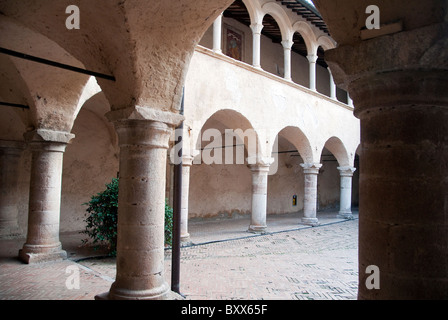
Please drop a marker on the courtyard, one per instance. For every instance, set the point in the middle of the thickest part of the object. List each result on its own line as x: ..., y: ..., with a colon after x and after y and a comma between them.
x: 224, y: 262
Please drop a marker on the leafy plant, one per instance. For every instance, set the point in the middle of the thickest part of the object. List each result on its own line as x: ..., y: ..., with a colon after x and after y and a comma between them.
x: 101, y: 221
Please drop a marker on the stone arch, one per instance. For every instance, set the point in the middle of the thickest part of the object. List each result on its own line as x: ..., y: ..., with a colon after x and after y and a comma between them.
x: 326, y: 43
x: 338, y: 149
x: 254, y: 10
x: 298, y: 138
x: 90, y: 90
x: 228, y: 184
x: 13, y: 121
x: 359, y: 150
x: 277, y: 12
x: 51, y: 93
x: 96, y: 103
x: 308, y: 36
x: 242, y: 129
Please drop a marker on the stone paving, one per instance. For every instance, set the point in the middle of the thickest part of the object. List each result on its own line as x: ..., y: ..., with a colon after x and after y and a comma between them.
x: 301, y: 263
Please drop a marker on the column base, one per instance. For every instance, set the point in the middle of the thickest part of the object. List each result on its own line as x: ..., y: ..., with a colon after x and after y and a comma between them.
x: 345, y: 215
x: 32, y: 254
x: 185, y: 240
x: 314, y: 222
x: 162, y: 293
x: 258, y: 229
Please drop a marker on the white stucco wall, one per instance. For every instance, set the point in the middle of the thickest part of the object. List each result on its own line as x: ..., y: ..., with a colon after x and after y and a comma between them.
x: 268, y: 104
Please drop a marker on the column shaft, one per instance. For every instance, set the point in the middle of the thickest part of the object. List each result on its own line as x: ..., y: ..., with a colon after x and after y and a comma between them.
x: 345, y: 210
x: 140, y: 250
x: 287, y: 44
x: 217, y: 35
x: 256, y: 38
x: 186, y: 166
x: 312, y: 61
x: 42, y: 243
x: 400, y: 97
x: 259, y: 198
x: 311, y: 172
x: 332, y: 86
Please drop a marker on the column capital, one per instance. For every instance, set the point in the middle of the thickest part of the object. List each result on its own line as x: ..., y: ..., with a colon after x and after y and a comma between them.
x: 45, y: 135
x: 312, y: 58
x: 346, y: 171
x: 256, y: 161
x: 287, y: 44
x: 143, y: 133
x: 394, y: 71
x: 259, y: 168
x: 311, y: 168
x: 187, y: 160
x: 256, y: 28
x: 171, y: 119
x: 48, y: 140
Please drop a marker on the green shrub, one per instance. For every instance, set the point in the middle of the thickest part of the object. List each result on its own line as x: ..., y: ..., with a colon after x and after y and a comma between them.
x: 101, y: 221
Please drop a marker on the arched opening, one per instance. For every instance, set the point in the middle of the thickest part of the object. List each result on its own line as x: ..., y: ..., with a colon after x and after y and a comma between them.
x: 285, y: 187
x: 299, y: 62
x: 286, y: 181
x: 335, y: 184
x: 328, y: 190
x: 272, y: 56
x: 90, y: 162
x: 220, y: 177
x: 236, y: 35
x: 322, y: 73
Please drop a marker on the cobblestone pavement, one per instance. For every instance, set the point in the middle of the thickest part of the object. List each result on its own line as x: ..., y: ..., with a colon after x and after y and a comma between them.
x: 305, y: 264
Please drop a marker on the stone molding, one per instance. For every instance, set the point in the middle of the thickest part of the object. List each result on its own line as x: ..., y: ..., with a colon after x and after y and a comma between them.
x: 311, y: 168
x: 346, y: 171
x: 45, y: 135
x: 145, y: 113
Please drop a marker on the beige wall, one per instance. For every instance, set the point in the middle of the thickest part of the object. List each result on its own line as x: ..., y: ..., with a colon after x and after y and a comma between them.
x: 90, y: 162
x: 218, y: 85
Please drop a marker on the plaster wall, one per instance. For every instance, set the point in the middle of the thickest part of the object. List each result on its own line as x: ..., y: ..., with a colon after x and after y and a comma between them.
x: 216, y: 82
x: 90, y: 162
x: 269, y: 104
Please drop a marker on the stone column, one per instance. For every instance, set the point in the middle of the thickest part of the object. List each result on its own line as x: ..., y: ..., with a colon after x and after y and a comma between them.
x: 217, y: 35
x: 398, y: 84
x: 332, y: 86
x: 141, y: 206
x: 256, y: 38
x: 287, y: 45
x: 260, y: 174
x: 187, y: 162
x: 143, y: 138
x: 345, y: 210
x: 310, y: 170
x: 312, y: 59
x: 349, y: 100
x: 42, y: 243
x: 10, y: 153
